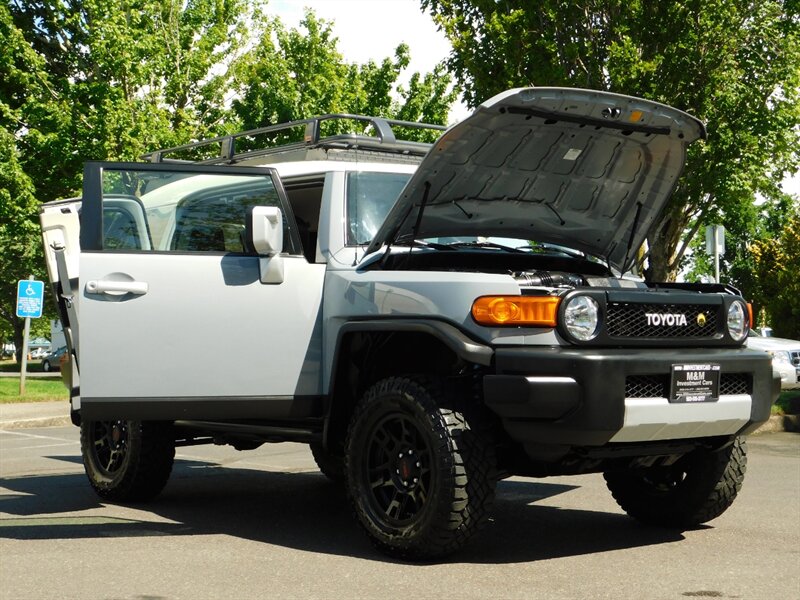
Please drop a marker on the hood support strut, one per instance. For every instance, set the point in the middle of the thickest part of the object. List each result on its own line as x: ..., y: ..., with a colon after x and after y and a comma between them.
x: 421, y: 210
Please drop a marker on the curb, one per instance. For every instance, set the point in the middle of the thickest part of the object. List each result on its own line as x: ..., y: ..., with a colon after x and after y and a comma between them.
x: 777, y: 423
x: 37, y: 422
x: 27, y: 415
x: 32, y: 374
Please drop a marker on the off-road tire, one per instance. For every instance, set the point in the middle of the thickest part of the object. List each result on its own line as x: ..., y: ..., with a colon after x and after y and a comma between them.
x: 414, y: 431
x: 698, y: 488
x: 127, y: 461
x: 331, y: 465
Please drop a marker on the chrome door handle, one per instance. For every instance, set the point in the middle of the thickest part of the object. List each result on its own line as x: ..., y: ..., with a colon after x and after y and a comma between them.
x: 116, y: 288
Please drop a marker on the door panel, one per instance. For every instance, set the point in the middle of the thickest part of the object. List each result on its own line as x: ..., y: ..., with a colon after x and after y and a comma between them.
x: 206, y: 326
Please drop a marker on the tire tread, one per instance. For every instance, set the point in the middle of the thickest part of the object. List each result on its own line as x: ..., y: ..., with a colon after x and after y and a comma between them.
x: 152, y: 448
x: 712, y: 482
x: 464, y: 444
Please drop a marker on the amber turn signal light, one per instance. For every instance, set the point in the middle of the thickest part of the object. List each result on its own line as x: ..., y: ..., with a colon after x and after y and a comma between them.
x: 536, y: 311
x: 750, y: 314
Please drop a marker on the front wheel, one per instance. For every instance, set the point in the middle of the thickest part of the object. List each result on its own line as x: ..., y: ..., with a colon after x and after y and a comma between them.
x: 420, y: 470
x: 46, y: 366
x: 696, y: 489
x: 331, y: 465
x: 127, y: 461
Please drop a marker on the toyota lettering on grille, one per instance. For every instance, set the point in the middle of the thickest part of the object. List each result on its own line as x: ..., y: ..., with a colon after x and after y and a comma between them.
x: 667, y: 320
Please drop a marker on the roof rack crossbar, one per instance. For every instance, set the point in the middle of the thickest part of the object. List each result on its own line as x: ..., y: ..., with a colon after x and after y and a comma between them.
x: 385, y: 138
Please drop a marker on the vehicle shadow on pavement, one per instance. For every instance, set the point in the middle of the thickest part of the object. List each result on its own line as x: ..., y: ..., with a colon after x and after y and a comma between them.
x: 522, y: 531
x: 302, y: 511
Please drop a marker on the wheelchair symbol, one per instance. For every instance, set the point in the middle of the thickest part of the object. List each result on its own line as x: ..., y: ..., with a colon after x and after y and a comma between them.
x: 30, y: 291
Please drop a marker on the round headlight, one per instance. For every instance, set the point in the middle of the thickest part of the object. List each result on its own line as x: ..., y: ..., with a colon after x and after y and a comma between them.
x: 737, y: 321
x: 582, y: 317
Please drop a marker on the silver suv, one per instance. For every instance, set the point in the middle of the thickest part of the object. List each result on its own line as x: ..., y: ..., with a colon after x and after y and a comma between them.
x: 429, y: 318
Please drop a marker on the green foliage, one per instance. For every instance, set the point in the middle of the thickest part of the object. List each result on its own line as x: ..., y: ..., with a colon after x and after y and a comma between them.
x: 22, y: 86
x: 775, y: 267
x: 788, y: 403
x: 733, y: 63
x: 297, y: 73
x: 18, y: 256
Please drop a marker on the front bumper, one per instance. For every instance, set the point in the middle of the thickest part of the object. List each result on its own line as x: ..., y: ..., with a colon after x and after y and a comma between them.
x: 577, y: 396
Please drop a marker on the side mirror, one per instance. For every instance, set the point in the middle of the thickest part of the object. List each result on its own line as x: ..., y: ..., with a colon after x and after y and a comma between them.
x: 265, y: 235
x: 265, y: 230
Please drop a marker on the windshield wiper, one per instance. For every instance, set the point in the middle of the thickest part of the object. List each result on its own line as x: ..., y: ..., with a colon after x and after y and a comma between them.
x: 485, y: 245
x: 424, y: 243
x: 556, y: 248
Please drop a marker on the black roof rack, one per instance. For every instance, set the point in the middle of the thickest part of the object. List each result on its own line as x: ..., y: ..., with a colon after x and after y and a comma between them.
x: 385, y: 140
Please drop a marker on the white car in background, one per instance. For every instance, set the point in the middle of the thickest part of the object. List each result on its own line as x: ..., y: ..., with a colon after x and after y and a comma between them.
x: 39, y: 353
x: 785, y: 357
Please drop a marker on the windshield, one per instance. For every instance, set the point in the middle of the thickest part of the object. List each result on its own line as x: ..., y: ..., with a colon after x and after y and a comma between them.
x: 370, y: 196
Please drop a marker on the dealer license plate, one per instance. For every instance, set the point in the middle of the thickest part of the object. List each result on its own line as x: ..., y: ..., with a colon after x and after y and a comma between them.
x: 695, y: 383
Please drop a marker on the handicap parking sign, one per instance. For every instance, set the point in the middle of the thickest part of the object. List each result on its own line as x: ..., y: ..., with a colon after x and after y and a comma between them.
x: 30, y: 297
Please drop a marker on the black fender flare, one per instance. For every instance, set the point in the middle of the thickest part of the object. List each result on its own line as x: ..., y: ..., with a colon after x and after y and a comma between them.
x: 450, y: 335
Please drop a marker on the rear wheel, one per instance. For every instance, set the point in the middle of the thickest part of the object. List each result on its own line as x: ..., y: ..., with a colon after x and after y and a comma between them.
x: 420, y: 472
x: 127, y: 460
x: 46, y: 366
x: 696, y: 489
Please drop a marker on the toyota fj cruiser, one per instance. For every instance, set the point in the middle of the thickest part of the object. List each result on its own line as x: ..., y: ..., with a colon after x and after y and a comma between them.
x: 429, y: 318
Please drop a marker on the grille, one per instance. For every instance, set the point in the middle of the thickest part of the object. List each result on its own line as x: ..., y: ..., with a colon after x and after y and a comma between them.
x: 646, y: 386
x: 657, y: 386
x: 734, y: 383
x: 626, y: 320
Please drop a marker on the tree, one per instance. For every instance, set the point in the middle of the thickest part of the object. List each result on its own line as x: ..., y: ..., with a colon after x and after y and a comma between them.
x: 18, y: 257
x: 733, y: 63
x: 23, y: 87
x: 776, y: 263
x: 738, y: 265
x: 296, y: 73
x: 127, y: 76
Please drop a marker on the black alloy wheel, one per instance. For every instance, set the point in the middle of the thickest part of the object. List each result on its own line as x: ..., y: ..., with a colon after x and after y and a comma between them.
x: 127, y: 460
x: 110, y: 447
x: 398, y: 468
x: 420, y: 467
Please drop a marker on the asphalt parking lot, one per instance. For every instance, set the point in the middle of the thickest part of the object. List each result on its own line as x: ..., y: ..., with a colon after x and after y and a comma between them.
x: 266, y: 524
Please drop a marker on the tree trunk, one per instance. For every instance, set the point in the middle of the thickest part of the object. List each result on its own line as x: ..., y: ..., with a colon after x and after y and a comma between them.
x: 659, y: 260
x: 663, y: 244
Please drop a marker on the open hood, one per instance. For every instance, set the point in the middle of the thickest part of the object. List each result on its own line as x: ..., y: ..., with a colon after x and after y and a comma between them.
x: 580, y: 168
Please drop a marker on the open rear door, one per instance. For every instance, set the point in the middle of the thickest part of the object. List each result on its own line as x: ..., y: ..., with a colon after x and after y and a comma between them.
x: 60, y: 224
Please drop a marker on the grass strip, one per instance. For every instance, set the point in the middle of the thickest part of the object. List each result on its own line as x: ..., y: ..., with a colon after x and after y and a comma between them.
x: 36, y: 390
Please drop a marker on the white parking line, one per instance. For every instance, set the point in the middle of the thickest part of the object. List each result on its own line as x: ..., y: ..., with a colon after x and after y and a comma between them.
x: 52, y: 445
x: 30, y: 435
